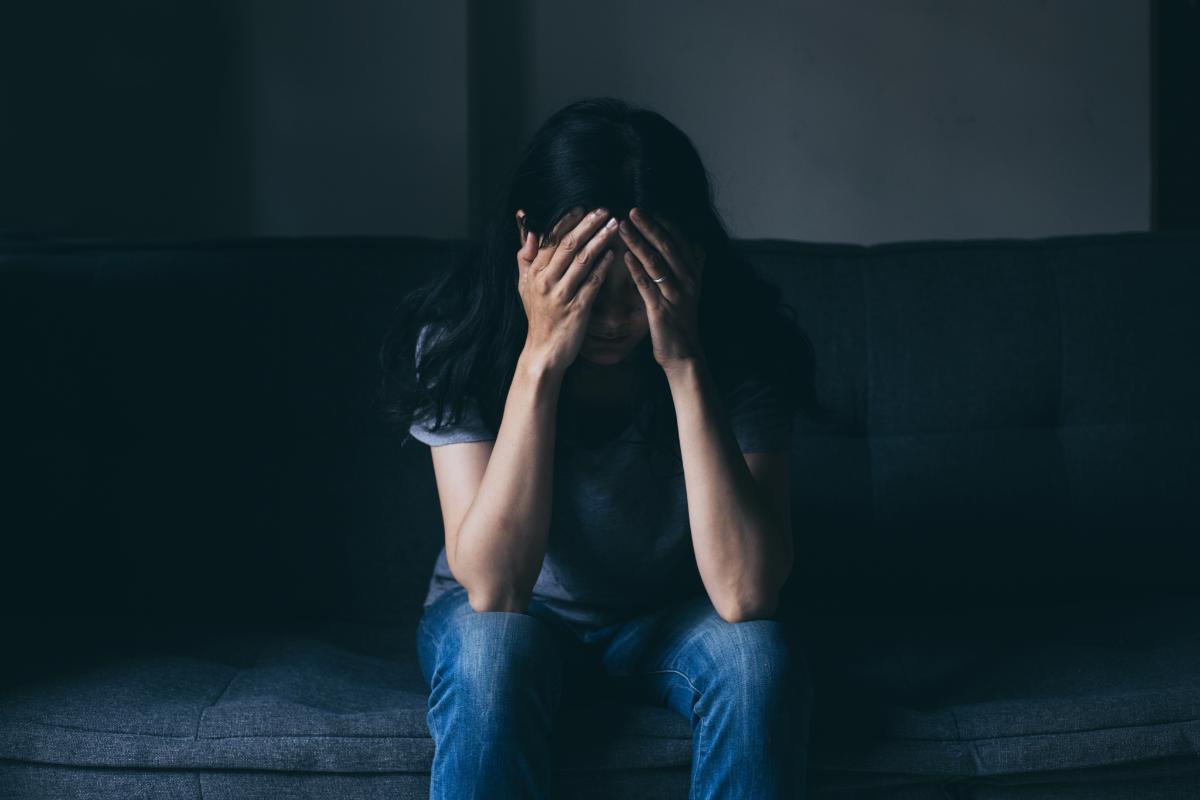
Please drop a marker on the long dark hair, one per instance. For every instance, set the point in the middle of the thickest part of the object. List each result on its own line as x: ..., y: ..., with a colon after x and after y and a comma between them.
x: 594, y: 152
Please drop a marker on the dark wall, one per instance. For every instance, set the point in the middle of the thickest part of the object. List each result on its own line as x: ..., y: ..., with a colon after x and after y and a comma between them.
x: 200, y: 118
x: 1176, y: 113
x: 123, y: 117
x: 196, y: 118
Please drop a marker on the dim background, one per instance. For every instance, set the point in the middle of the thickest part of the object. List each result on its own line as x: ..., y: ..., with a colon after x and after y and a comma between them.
x: 863, y: 122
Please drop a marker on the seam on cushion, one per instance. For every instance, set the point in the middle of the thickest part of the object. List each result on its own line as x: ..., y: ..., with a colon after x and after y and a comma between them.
x: 293, y: 735
x: 239, y: 736
x: 79, y: 729
x: 393, y: 736
x: 885, y: 739
x: 221, y: 696
x: 1042, y: 734
x: 1194, y: 720
x: 972, y: 745
x: 946, y: 741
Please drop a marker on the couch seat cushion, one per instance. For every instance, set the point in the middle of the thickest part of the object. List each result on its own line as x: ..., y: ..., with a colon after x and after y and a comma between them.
x: 1023, y: 693
x: 1007, y: 691
x: 333, y: 698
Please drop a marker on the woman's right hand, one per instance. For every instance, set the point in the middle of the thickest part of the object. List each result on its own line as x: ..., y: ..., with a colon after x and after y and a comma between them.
x: 559, y: 282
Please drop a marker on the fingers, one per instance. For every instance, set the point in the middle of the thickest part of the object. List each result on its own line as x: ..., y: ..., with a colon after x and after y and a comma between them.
x: 647, y: 288
x: 568, y: 220
x: 576, y: 246
x: 664, y: 249
x: 531, y: 248
x: 580, y: 266
x: 693, y: 268
x: 521, y: 227
x: 525, y: 256
x: 524, y: 235
x: 594, y: 279
x: 528, y: 251
x: 651, y: 263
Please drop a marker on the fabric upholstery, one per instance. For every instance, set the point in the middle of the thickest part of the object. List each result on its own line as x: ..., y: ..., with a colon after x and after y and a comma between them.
x: 905, y: 695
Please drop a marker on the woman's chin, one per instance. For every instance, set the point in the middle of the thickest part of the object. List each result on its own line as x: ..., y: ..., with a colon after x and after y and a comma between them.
x: 600, y: 359
x: 603, y: 355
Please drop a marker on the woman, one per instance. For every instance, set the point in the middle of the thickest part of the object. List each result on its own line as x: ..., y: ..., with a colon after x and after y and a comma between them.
x: 610, y: 419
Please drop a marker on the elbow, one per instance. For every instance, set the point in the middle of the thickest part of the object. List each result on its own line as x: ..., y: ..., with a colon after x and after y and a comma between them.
x: 762, y: 600
x: 762, y: 607
x: 759, y: 604
x: 491, y: 595
x: 749, y: 614
x: 498, y: 599
x: 492, y: 589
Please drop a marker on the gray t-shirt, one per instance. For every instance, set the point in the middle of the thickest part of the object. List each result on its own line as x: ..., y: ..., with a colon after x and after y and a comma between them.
x: 619, y: 542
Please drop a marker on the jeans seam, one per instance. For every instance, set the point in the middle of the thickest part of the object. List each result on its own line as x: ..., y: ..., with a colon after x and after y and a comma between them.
x: 423, y: 623
x: 663, y: 671
x: 424, y: 632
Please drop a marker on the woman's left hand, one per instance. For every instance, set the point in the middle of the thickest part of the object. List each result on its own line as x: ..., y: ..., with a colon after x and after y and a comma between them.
x: 657, y: 249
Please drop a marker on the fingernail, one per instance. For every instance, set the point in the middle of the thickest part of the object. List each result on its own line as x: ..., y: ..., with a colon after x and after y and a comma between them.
x: 625, y: 226
x: 612, y: 223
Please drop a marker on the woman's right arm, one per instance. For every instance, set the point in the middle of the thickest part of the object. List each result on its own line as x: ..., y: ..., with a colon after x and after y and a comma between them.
x: 497, y: 549
x: 496, y: 552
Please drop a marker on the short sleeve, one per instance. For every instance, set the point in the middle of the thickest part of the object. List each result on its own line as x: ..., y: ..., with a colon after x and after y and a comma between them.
x: 760, y: 418
x: 471, y: 428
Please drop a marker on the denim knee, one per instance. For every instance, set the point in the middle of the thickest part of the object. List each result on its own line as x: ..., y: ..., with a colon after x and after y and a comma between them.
x: 761, y: 659
x: 492, y: 661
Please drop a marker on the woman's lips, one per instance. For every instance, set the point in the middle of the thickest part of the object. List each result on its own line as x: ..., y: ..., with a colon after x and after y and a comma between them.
x: 605, y: 338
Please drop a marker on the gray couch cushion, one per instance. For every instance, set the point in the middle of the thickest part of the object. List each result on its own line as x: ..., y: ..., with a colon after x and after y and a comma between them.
x: 338, y: 698
x: 52, y: 782
x: 1023, y: 692
x: 1016, y: 691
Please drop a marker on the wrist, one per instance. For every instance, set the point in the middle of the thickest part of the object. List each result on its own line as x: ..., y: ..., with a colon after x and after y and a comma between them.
x: 685, y: 372
x: 537, y: 366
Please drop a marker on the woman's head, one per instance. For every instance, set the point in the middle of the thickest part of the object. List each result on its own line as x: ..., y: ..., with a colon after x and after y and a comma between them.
x: 617, y: 322
x: 603, y: 152
x: 598, y: 152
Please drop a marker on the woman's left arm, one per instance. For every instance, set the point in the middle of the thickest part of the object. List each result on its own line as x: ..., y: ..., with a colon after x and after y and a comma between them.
x: 739, y: 507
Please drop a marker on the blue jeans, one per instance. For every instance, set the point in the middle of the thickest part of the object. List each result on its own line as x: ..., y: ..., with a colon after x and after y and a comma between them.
x: 498, y: 678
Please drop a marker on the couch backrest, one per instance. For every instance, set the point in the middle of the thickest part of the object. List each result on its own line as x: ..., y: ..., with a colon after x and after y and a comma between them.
x: 1020, y: 420
x: 191, y: 428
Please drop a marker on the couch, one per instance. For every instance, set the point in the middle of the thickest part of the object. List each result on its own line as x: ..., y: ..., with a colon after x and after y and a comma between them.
x: 216, y: 549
